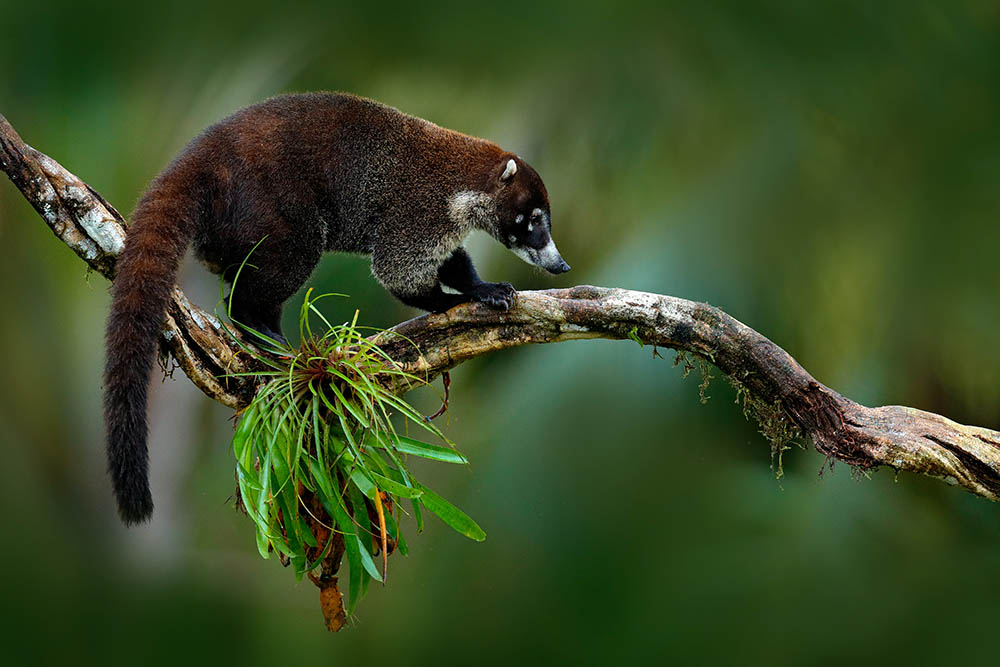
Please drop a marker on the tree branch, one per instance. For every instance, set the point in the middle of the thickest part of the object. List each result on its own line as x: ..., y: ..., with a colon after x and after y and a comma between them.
x: 774, y: 387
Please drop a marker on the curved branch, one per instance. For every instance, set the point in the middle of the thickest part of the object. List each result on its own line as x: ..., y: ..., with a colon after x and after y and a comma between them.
x: 771, y: 382
x: 899, y: 437
x: 95, y: 231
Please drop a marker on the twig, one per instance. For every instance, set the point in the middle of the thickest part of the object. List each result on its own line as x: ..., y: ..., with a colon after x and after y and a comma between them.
x: 446, y: 381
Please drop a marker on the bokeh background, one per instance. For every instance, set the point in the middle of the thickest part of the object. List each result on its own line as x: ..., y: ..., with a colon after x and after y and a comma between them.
x: 827, y: 172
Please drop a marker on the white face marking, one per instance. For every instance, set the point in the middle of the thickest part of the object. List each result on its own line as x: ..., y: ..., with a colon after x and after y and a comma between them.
x: 519, y: 219
x: 548, y: 255
x: 523, y: 253
x: 545, y: 258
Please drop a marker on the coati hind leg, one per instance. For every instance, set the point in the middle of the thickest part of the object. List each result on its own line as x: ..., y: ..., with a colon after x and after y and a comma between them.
x: 278, y: 267
x: 262, y: 317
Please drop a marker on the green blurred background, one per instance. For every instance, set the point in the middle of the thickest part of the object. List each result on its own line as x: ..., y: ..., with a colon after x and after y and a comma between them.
x: 827, y: 172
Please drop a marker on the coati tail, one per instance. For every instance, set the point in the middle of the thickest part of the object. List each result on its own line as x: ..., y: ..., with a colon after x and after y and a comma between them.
x: 161, y: 229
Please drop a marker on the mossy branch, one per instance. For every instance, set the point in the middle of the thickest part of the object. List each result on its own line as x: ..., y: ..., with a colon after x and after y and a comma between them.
x: 771, y: 384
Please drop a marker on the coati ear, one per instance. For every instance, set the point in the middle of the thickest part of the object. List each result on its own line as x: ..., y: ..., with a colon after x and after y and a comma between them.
x: 509, y: 172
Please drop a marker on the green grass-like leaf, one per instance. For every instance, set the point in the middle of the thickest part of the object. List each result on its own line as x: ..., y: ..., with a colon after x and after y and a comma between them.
x: 318, y: 442
x: 451, y: 515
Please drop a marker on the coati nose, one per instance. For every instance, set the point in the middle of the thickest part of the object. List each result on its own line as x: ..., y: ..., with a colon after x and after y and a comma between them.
x: 563, y: 267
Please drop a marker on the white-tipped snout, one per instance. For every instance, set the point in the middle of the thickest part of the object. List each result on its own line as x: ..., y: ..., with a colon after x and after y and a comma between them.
x: 547, y: 258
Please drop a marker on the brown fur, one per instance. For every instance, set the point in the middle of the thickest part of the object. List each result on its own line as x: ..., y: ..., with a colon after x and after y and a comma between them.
x: 294, y: 176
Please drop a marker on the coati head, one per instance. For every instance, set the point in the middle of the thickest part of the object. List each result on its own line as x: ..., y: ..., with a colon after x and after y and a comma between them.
x: 522, y: 214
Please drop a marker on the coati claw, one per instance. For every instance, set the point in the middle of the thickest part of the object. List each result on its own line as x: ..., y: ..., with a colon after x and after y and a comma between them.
x: 497, y: 295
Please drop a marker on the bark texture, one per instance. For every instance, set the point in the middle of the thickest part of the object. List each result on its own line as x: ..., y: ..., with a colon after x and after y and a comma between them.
x: 773, y: 386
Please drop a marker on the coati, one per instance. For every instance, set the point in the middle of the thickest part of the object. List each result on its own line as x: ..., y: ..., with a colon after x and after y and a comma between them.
x: 288, y: 179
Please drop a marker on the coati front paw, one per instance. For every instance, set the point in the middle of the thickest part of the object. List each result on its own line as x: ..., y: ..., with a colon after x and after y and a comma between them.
x: 497, y: 295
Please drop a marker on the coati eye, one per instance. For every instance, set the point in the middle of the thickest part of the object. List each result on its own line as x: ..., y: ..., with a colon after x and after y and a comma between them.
x: 536, y: 219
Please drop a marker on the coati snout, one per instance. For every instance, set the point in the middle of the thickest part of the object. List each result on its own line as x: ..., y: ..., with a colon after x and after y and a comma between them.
x: 527, y: 226
x: 287, y: 180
